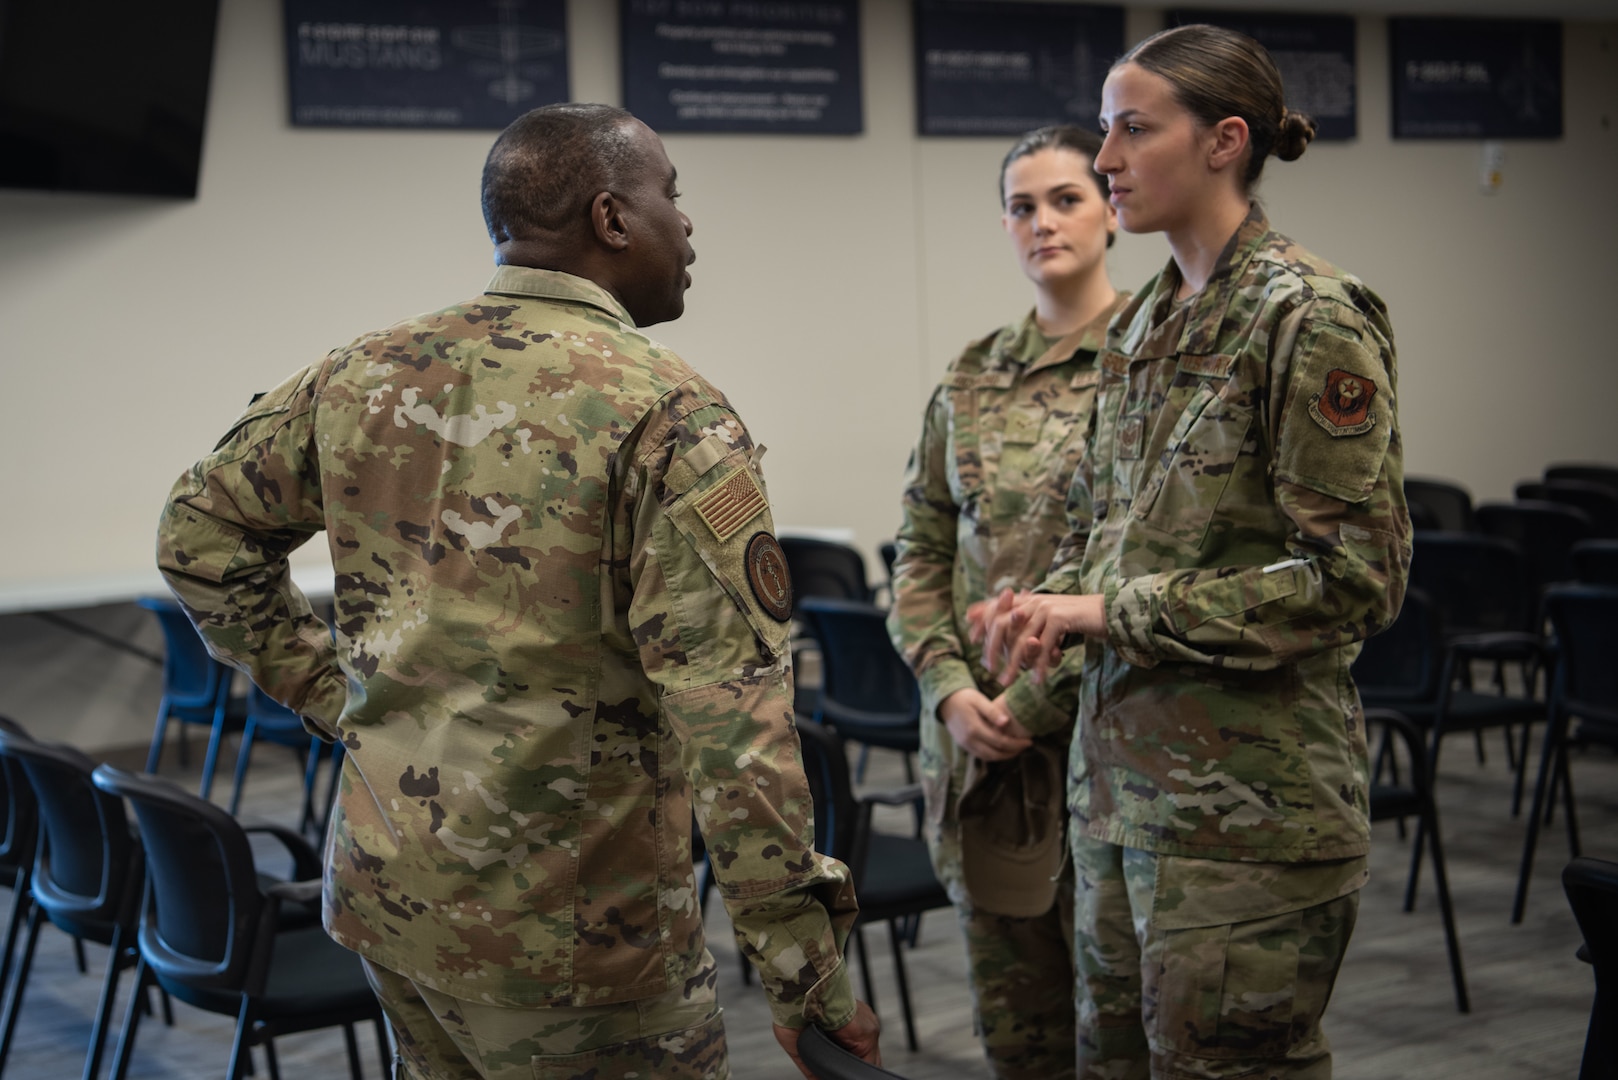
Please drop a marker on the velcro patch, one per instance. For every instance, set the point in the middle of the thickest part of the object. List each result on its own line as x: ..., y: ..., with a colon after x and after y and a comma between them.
x: 768, y: 577
x: 731, y: 503
x: 1344, y: 406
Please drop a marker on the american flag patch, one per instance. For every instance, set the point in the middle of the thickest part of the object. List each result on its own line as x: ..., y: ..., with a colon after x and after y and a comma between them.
x: 732, y: 503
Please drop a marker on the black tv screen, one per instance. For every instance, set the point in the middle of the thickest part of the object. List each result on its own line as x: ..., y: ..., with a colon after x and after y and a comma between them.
x: 104, y: 95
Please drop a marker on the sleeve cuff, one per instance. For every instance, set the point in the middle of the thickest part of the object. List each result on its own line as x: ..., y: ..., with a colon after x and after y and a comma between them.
x: 1039, y: 707
x: 1131, y: 610
x: 939, y: 682
x: 829, y: 1003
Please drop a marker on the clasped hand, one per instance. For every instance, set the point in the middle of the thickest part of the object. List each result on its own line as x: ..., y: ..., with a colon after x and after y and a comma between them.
x: 1020, y: 630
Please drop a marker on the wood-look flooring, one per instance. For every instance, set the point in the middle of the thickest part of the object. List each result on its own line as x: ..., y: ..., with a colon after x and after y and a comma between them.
x: 1393, y: 1014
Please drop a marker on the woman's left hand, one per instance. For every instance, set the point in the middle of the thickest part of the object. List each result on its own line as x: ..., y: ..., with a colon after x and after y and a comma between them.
x: 1026, y: 630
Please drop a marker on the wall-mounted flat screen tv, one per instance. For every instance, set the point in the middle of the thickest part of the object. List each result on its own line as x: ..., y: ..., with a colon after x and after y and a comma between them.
x: 104, y: 95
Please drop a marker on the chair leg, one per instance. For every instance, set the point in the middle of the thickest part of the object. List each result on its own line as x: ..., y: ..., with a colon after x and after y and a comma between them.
x: 270, y: 1059
x: 865, y: 967
x: 155, y: 754
x: 21, y: 901
x: 1518, y: 781
x: 1447, y: 910
x: 126, y: 1039
x: 8, y: 1025
x: 1573, y: 846
x: 243, y: 754
x: 353, y: 1049
x: 1555, y: 727
x: 78, y: 957
x: 311, y: 783
x: 109, y: 992
x: 895, y: 939
x: 238, y: 1046
x: 216, y: 736
x: 1417, y: 846
x: 384, y: 1047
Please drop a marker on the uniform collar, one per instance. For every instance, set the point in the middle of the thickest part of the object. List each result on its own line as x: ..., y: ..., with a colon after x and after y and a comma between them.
x: 1192, y: 326
x: 1091, y: 337
x: 555, y: 285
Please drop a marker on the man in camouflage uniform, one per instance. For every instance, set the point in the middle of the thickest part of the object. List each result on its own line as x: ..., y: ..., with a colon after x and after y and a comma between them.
x: 984, y: 509
x: 561, y: 627
x: 1245, y: 484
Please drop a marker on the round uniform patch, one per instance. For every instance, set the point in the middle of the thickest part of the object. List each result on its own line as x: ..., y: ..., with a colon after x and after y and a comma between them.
x: 767, y: 576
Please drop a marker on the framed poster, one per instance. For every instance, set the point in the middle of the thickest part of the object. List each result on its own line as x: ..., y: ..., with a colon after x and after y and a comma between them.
x: 1314, y: 53
x: 424, y: 63
x: 744, y: 66
x: 987, y: 68
x: 1457, y: 78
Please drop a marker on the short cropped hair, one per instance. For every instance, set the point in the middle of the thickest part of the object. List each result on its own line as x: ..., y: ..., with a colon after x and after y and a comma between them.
x: 549, y: 163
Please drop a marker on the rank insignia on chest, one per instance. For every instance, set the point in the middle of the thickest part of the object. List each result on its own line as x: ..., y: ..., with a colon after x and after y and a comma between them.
x: 731, y: 503
x: 1344, y: 406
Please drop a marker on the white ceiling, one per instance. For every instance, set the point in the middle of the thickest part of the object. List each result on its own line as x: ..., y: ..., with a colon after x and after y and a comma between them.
x: 1598, y: 10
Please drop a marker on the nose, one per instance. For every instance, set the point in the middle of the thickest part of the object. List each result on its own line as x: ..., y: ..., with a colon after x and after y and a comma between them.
x: 1042, y: 218
x: 1107, y: 161
x: 686, y: 222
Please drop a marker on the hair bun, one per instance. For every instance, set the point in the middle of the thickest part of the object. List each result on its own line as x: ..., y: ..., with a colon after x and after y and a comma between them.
x: 1297, y: 131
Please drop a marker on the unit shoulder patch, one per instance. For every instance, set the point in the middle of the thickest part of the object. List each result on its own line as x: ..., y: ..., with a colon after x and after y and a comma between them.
x: 768, y: 577
x: 731, y: 503
x: 1343, y: 407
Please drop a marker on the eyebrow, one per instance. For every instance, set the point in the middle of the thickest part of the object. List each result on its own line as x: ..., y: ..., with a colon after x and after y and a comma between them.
x: 1063, y: 186
x: 1125, y: 115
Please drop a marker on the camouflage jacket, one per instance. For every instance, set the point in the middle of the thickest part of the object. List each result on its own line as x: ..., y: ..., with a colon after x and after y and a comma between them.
x: 985, y: 507
x: 1245, y: 483
x: 561, y: 626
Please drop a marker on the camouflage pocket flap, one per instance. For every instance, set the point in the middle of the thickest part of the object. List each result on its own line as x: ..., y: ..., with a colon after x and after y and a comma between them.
x: 695, y: 463
x: 1192, y: 892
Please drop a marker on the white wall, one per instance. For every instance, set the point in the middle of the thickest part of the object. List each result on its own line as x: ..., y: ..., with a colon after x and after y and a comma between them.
x: 835, y: 278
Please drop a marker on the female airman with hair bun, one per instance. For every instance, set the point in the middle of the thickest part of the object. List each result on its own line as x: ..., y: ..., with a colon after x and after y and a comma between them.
x: 1238, y: 527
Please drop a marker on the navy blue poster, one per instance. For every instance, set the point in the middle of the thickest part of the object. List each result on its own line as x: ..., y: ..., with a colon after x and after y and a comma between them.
x: 987, y: 68
x: 1476, y: 78
x: 424, y: 63
x: 1314, y: 53
x: 760, y: 66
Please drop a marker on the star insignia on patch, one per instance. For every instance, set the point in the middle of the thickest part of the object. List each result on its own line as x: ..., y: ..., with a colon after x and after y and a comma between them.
x: 1343, y: 407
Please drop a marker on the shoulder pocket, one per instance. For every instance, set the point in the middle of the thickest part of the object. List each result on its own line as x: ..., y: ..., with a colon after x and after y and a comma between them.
x: 725, y: 515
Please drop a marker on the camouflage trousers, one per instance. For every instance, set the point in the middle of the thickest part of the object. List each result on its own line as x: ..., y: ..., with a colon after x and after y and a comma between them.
x: 1021, y: 974
x: 1205, y: 969
x: 676, y: 1036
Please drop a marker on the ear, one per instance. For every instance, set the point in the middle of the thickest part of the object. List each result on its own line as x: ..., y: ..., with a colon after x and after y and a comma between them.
x: 1230, y: 140
x: 607, y: 221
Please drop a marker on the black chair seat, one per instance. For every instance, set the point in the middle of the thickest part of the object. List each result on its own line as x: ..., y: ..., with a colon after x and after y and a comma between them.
x: 898, y: 876
x: 312, y: 979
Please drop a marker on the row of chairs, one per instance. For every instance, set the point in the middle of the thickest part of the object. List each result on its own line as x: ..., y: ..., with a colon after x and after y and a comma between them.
x: 179, y: 899
x: 199, y: 690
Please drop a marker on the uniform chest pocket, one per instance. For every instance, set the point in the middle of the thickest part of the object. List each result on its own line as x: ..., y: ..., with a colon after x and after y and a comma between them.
x: 976, y: 402
x: 1190, y: 473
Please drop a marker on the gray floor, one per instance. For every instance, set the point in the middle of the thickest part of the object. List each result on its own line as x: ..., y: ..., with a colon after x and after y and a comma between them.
x: 1393, y: 1014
